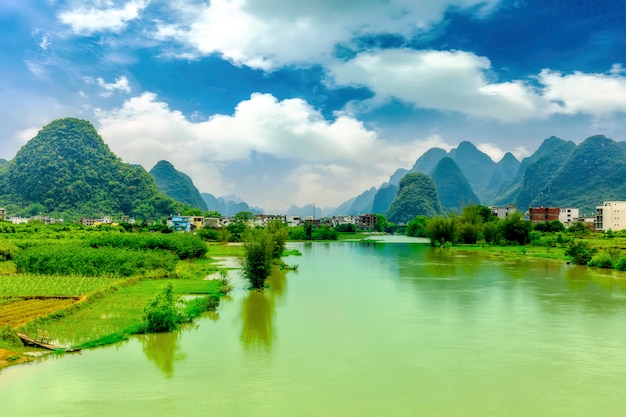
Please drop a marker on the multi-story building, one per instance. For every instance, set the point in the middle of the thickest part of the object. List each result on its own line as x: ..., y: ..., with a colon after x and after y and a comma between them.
x: 543, y: 214
x: 569, y: 215
x: 611, y: 215
x: 502, y: 212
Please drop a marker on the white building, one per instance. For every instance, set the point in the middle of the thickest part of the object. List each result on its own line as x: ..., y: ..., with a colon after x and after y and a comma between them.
x: 611, y: 215
x: 568, y: 215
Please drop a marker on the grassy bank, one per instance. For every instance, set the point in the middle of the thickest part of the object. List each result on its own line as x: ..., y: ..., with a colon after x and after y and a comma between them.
x: 89, y: 311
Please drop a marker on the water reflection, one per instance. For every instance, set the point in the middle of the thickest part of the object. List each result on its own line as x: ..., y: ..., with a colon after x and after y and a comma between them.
x: 257, y: 313
x: 163, y: 349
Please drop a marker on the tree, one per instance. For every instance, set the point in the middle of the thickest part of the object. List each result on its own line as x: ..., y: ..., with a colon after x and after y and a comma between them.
x: 161, y: 313
x: 441, y: 230
x: 417, y: 227
x: 257, y: 260
x: 278, y: 236
x: 515, y: 229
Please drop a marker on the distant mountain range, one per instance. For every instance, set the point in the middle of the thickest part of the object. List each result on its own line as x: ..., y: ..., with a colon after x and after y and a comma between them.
x: 68, y: 169
x: 559, y: 174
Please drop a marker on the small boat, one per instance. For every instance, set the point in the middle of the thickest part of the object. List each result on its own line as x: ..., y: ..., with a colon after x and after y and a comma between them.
x: 44, y: 343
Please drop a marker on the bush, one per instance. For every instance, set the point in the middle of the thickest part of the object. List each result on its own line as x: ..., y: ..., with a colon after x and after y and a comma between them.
x: 602, y: 260
x: 161, y: 314
x: 441, y: 230
x: 580, y: 252
x: 77, y: 260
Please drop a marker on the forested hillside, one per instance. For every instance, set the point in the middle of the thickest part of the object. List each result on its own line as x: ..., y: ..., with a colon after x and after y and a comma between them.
x: 67, y: 170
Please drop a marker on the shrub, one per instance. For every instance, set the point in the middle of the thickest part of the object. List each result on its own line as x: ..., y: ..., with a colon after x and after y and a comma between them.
x: 441, y: 230
x: 580, y: 252
x: 601, y: 260
x: 161, y: 314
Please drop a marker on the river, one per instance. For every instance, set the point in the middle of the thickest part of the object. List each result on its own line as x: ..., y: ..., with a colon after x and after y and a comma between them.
x: 364, y: 329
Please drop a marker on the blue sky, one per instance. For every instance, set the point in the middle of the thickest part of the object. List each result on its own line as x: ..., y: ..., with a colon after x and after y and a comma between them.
x: 312, y: 101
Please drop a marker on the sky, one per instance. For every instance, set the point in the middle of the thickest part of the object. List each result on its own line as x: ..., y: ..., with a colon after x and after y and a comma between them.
x: 286, y: 102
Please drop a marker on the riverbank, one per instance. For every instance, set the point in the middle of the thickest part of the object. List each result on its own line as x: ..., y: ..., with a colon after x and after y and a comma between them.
x: 108, y: 310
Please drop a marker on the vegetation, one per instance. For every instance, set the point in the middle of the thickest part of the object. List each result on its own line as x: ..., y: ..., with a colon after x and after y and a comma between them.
x: 262, y: 249
x: 91, y: 286
x: 68, y: 171
x: 417, y: 196
x: 177, y: 185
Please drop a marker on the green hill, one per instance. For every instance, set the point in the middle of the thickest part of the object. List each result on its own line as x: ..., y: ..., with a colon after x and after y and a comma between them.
x: 177, y: 185
x: 417, y: 196
x: 452, y: 186
x: 68, y: 170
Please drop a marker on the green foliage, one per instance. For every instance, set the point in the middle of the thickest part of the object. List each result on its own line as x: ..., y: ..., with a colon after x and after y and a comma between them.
x: 183, y: 245
x: 491, y: 231
x: 208, y: 233
x: 324, y: 233
x: 297, y: 233
x: 580, y: 252
x: 278, y: 236
x: 515, y: 229
x: 547, y: 227
x: 578, y: 228
x: 8, y: 338
x: 345, y: 228
x: 441, y: 230
x: 417, y: 227
x: 602, y: 259
x: 257, y: 261
x: 178, y: 186
x: 78, y: 260
x: 453, y: 188
x: 417, y: 196
x: 196, y: 306
x: 468, y: 232
x: 162, y: 314
x: 236, y: 229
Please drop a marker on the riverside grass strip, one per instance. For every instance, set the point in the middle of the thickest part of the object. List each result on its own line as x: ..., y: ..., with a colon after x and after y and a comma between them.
x: 115, y: 316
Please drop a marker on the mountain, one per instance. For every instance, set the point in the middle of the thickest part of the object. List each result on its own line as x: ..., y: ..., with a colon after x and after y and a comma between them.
x: 307, y: 210
x: 67, y: 168
x: 452, y: 186
x: 177, y: 185
x: 477, y: 167
x: 593, y: 173
x: 229, y: 205
x: 383, y: 198
x: 417, y: 195
x: 361, y: 204
x: 427, y: 162
x: 534, y: 172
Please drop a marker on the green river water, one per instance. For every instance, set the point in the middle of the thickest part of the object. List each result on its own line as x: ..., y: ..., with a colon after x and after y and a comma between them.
x: 364, y: 329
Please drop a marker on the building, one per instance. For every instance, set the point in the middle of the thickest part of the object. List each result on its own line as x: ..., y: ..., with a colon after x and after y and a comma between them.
x: 543, y: 214
x: 502, y: 212
x: 611, y: 216
x: 568, y: 216
x: 197, y: 222
x: 179, y: 223
x: 367, y: 221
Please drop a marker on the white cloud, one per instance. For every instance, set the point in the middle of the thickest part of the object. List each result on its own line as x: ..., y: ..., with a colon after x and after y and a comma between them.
x: 439, y: 80
x: 336, y: 158
x: 458, y: 81
x: 120, y: 84
x: 595, y: 94
x: 270, y: 33
x: 102, y: 16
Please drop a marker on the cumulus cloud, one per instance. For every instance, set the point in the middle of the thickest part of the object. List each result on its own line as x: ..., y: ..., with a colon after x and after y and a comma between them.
x: 439, y: 80
x: 102, y: 16
x: 270, y: 33
x: 595, y: 94
x: 458, y: 81
x: 334, y: 158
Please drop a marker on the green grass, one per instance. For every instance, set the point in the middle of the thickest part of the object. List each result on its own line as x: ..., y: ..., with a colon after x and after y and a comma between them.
x: 115, y: 315
x: 517, y: 252
x: 28, y: 285
x: 220, y: 249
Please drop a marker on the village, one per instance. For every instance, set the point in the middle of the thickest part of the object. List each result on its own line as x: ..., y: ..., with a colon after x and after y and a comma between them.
x: 607, y: 217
